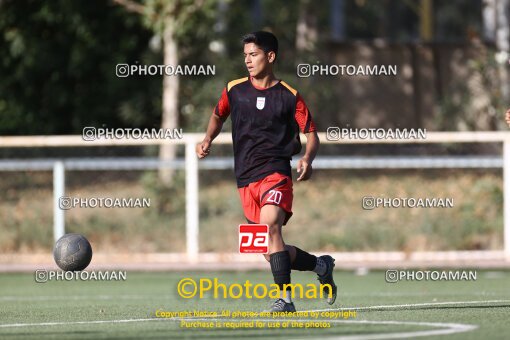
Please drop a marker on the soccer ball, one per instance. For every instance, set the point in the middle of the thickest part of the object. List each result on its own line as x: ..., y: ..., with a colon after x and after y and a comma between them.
x: 72, y: 252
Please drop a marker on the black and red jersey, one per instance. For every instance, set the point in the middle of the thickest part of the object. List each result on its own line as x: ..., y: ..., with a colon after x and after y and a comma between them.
x: 265, y: 127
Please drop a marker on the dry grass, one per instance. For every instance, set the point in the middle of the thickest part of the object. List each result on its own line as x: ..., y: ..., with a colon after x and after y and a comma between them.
x: 327, y: 212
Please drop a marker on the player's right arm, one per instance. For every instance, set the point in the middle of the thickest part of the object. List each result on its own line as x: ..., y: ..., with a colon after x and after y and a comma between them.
x: 213, y: 129
x: 220, y: 113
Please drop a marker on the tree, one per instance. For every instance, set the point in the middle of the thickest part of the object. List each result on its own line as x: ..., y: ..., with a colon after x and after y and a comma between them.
x: 170, y: 20
x: 503, y: 45
x: 306, y: 28
x: 57, y: 67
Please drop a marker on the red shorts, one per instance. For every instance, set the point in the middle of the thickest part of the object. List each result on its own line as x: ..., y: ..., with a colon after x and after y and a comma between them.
x: 275, y: 189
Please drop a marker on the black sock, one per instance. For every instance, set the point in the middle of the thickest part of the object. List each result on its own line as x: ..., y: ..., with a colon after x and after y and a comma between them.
x: 280, y: 266
x: 304, y: 261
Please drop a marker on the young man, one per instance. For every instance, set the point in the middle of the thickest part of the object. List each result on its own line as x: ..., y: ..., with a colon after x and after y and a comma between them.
x: 267, y: 115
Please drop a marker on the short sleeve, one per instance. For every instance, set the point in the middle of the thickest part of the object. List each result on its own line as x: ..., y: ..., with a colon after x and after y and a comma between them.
x: 303, y: 116
x: 222, y: 109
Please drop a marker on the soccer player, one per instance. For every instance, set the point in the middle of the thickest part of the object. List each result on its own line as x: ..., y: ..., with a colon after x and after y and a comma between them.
x: 267, y: 115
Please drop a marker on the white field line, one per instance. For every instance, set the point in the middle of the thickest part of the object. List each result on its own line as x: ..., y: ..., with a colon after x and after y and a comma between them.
x: 76, y: 322
x: 445, y: 328
x: 80, y: 297
x: 170, y: 297
x: 411, y: 305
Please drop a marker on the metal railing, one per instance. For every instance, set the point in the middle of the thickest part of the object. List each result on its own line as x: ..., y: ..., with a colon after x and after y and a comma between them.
x: 191, y: 166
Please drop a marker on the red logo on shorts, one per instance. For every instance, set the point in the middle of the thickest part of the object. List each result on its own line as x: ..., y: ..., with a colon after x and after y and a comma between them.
x: 254, y: 238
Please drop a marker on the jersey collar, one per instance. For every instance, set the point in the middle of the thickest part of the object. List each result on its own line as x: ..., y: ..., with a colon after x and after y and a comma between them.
x: 263, y: 88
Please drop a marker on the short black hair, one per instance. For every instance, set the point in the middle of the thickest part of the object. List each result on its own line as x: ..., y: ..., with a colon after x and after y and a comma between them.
x: 265, y: 40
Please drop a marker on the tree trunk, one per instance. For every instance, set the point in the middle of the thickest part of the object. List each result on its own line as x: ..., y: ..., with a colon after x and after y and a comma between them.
x: 337, y: 20
x: 489, y: 20
x: 503, y: 45
x: 426, y: 21
x: 306, y: 30
x: 170, y: 116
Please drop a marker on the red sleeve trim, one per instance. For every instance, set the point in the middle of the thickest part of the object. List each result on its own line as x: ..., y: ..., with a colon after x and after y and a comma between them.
x: 222, y: 109
x: 303, y: 116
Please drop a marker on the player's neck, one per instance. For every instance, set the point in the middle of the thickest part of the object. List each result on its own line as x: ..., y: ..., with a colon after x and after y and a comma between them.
x: 264, y: 81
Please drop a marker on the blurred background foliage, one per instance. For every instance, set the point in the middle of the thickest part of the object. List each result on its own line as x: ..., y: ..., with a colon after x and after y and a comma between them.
x: 57, y: 75
x: 57, y: 67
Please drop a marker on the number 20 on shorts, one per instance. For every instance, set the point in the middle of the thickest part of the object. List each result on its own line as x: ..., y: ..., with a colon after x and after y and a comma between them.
x: 274, y: 197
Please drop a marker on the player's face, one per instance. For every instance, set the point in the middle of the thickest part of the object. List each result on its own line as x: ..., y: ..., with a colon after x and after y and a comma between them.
x: 256, y: 60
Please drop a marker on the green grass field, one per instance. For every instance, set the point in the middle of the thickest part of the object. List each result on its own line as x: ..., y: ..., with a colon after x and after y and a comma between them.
x: 126, y: 309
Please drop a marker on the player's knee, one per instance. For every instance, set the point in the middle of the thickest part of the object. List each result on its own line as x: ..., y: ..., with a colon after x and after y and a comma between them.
x: 275, y: 230
x: 266, y: 256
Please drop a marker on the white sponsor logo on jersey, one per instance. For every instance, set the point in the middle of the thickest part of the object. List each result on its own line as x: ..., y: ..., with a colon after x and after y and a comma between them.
x: 261, y: 101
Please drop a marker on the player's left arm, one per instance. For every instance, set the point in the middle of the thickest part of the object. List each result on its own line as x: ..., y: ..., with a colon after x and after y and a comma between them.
x: 304, y: 165
x: 307, y: 127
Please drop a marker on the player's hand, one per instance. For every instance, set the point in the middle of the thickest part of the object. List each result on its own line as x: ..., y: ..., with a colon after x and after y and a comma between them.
x: 305, y: 169
x: 507, y: 117
x: 203, y: 148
